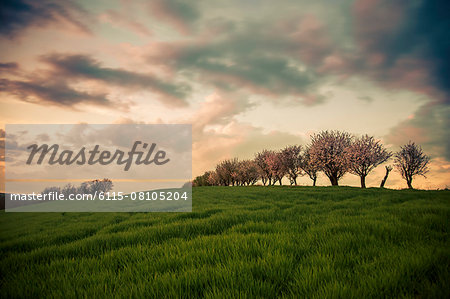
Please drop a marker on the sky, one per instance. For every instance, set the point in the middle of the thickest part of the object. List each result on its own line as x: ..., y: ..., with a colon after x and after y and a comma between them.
x: 248, y: 75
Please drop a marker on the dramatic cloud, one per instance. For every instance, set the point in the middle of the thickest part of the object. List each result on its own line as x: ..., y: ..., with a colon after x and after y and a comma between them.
x: 82, y: 67
x: 250, y: 59
x: 405, y: 44
x: 180, y: 14
x: 429, y: 126
x: 55, y: 85
x: 9, y: 67
x: 43, y: 92
x: 17, y: 15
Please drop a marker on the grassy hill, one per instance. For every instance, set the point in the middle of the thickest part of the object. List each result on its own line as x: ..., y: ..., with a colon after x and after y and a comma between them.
x: 238, y: 241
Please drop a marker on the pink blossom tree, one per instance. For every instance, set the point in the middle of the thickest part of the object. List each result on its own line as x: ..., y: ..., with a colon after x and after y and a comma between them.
x: 365, y: 154
x: 265, y: 172
x: 276, y: 166
x: 203, y: 180
x: 328, y: 150
x: 212, y: 178
x: 248, y: 172
x: 309, y: 166
x: 226, y: 172
x: 410, y: 161
x: 291, y: 158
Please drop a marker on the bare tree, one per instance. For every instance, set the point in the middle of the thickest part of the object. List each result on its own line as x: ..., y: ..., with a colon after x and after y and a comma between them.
x: 48, y: 190
x: 309, y: 167
x: 365, y: 154
x: 292, y: 158
x: 69, y: 189
x: 88, y: 187
x: 411, y: 161
x: 104, y: 185
x: 329, y: 151
x: 85, y: 188
x: 388, y: 169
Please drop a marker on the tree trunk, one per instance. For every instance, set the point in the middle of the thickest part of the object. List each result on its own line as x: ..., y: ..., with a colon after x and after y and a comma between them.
x: 409, y: 182
x: 388, y: 169
x: 314, y: 182
x: 279, y: 180
x: 295, y: 181
x: 363, y: 182
x: 384, y: 180
x: 334, y: 181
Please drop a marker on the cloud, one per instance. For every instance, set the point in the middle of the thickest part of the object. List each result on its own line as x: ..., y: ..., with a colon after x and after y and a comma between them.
x: 405, y: 44
x: 218, y: 135
x: 52, y: 92
x: 366, y: 99
x: 83, y: 67
x: 9, y: 67
x: 396, y: 44
x: 429, y: 127
x: 235, y: 139
x: 218, y: 109
x: 178, y: 13
x: 2, y: 145
x: 310, y: 38
x: 18, y: 15
x: 250, y: 59
x: 55, y: 85
x: 119, y: 19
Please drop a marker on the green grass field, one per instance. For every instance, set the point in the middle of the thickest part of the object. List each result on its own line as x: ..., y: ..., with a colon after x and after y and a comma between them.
x: 238, y: 242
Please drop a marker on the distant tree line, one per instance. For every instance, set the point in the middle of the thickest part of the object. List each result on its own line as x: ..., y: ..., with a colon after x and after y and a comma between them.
x: 88, y: 187
x: 333, y: 153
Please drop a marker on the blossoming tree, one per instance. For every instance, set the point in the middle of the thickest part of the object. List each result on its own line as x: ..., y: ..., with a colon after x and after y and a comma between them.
x: 365, y: 154
x: 291, y: 158
x: 308, y: 166
x: 410, y: 161
x: 261, y: 161
x: 276, y: 166
x: 329, y: 150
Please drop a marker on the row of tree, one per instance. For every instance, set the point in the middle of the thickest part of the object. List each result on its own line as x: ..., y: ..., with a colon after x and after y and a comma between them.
x: 334, y: 153
x: 88, y: 187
